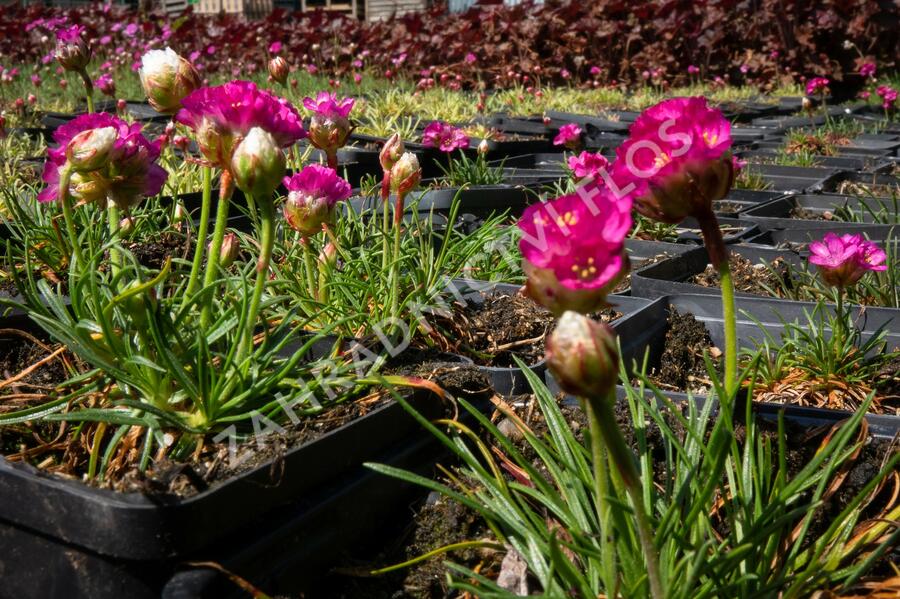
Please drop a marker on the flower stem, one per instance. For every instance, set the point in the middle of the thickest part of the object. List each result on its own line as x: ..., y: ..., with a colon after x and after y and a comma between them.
x: 65, y: 176
x: 385, y: 218
x: 332, y: 160
x: 718, y: 256
x: 88, y: 89
x: 212, y: 262
x: 605, y: 422
x: 395, y: 257
x: 308, y: 266
x: 601, y: 493
x: 201, y: 234
x: 115, y: 259
x: 266, y: 243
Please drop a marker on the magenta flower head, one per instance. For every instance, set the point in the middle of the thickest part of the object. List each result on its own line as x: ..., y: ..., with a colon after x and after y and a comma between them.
x: 221, y: 116
x: 842, y: 261
x: 72, y: 51
x: 444, y: 137
x: 676, y: 161
x: 125, y: 175
x: 888, y: 96
x: 867, y: 69
x: 106, y: 85
x: 312, y: 196
x: 167, y: 78
x: 817, y: 85
x: 573, y: 250
x: 569, y: 136
x: 692, y: 69
x: 329, y: 125
x: 588, y: 165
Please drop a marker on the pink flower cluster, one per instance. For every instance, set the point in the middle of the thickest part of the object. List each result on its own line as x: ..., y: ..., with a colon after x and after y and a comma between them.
x: 312, y: 196
x: 867, y: 69
x: 676, y: 160
x: 132, y: 161
x: 588, y: 165
x: 843, y: 260
x: 445, y: 137
x: 816, y: 86
x: 569, y: 136
x: 220, y: 116
x: 888, y: 96
x: 574, y: 250
x: 329, y: 106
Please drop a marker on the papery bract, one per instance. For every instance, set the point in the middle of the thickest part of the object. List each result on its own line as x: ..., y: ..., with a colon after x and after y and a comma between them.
x: 574, y: 250
x: 583, y: 356
x: 258, y: 164
x: 167, y: 78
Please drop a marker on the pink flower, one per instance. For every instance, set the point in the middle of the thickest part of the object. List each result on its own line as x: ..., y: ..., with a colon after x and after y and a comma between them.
x: 842, y: 261
x: 817, y: 85
x: 888, y: 96
x: 569, y: 136
x: 130, y: 175
x: 595, y: 70
x: 312, y: 196
x: 471, y: 58
x: 573, y: 250
x: 274, y: 47
x: 692, y: 69
x: 36, y: 80
x: 106, y: 85
x: 131, y: 29
x: 588, y: 164
x: 676, y: 161
x: 867, y: 69
x: 445, y: 137
x: 221, y: 115
x: 327, y: 105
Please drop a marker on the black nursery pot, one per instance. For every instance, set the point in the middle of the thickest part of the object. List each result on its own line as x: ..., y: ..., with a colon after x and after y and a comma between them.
x: 778, y: 214
x: 796, y: 178
x: 643, y: 333
x: 733, y: 230
x: 672, y: 276
x: 96, y: 543
x: 739, y: 200
x: 512, y: 381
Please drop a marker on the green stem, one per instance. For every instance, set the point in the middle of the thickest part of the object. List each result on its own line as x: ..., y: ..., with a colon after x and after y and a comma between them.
x: 601, y: 493
x: 729, y: 316
x: 605, y: 423
x: 308, y: 266
x: 395, y: 257
x: 385, y: 218
x: 201, y: 234
x: 115, y: 258
x: 88, y: 89
x: 212, y: 261
x: 266, y: 243
x: 65, y: 176
x: 718, y: 256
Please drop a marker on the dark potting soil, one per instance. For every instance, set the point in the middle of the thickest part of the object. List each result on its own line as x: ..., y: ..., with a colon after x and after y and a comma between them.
x: 867, y: 190
x: 440, y: 521
x: 682, y: 367
x: 507, y: 325
x: 756, y: 278
x: 153, y: 253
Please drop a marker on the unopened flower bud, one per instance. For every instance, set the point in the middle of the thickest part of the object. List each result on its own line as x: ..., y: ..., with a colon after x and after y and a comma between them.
x: 32, y: 99
x: 180, y: 213
x: 72, y: 51
x: 229, y: 250
x: 406, y: 174
x: 278, y: 70
x: 90, y: 149
x: 806, y: 104
x: 88, y: 188
x: 126, y: 226
x: 136, y: 305
x: 328, y: 255
x: 121, y: 106
x: 583, y: 357
x: 391, y: 152
x: 483, y: 147
x: 258, y: 164
x: 167, y: 78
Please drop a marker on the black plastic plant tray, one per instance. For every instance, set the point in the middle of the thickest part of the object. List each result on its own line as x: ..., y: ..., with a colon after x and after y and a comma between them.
x: 672, y: 276
x: 795, y: 178
x: 744, y: 136
x: 641, y: 250
x: 863, y: 179
x: 134, y: 526
x: 739, y: 200
x: 733, y: 230
x: 279, y: 552
x: 803, y: 236
x: 518, y: 126
x: 512, y: 381
x: 777, y: 214
x: 646, y: 329
x: 844, y: 162
x: 591, y: 123
x: 33, y: 132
